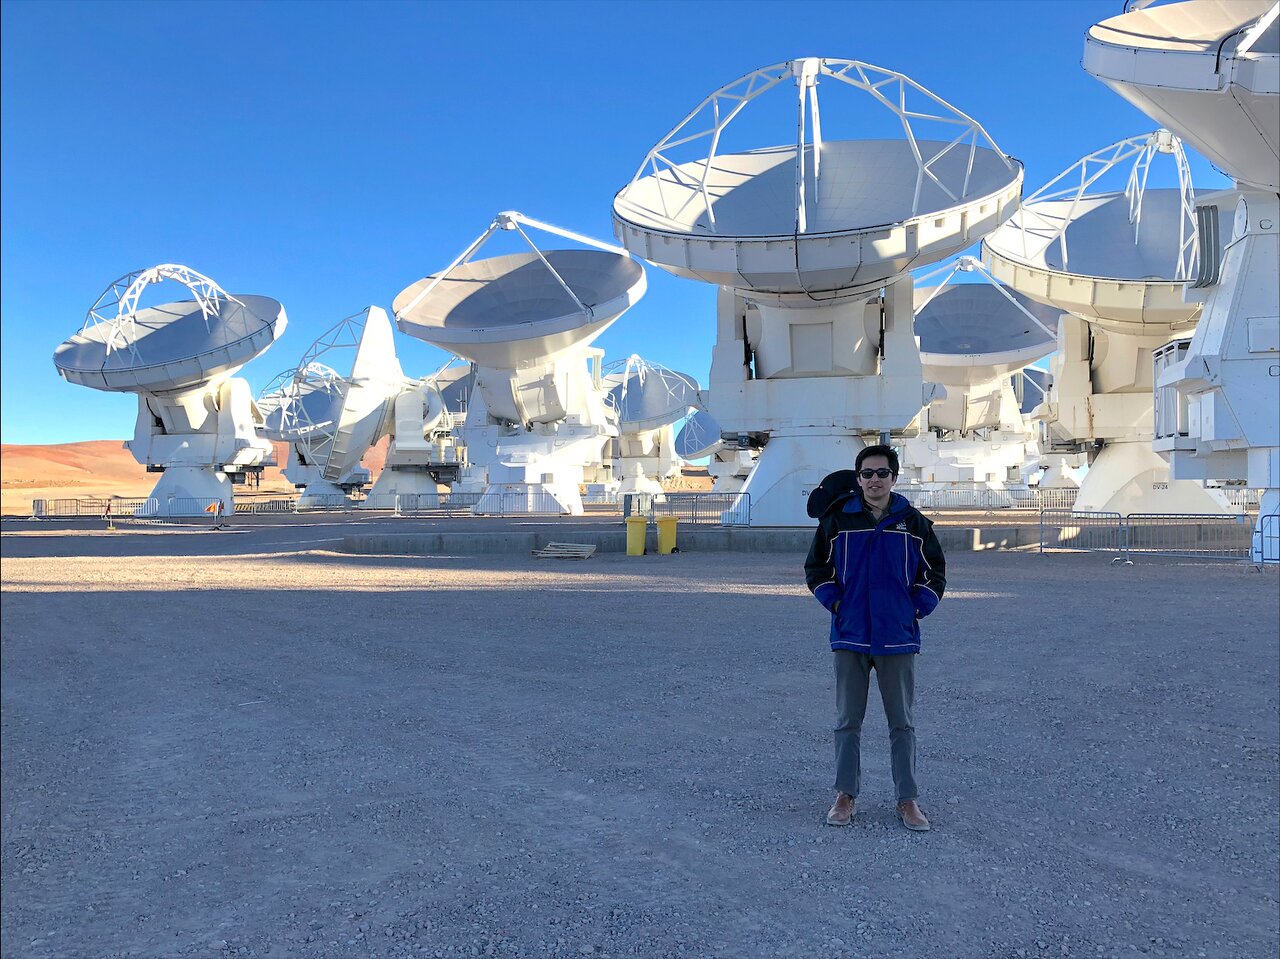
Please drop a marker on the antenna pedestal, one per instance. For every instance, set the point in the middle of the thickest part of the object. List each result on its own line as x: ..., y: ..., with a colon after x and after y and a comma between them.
x: 539, y: 466
x: 729, y: 468
x: 1101, y: 391
x: 1229, y: 378
x: 198, y: 437
x: 645, y: 459
x: 806, y: 377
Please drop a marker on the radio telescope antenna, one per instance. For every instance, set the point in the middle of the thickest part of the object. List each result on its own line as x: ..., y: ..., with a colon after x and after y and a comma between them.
x: 1210, y: 71
x: 975, y: 338
x: 729, y: 464
x: 331, y: 420
x: 813, y: 240
x: 197, y: 422
x: 648, y: 400
x: 537, y: 426
x: 1115, y: 263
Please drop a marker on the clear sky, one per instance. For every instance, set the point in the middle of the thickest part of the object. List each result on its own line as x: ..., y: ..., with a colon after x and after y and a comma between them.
x: 329, y: 154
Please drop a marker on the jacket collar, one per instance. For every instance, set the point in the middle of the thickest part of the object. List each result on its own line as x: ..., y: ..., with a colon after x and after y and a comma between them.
x: 852, y: 503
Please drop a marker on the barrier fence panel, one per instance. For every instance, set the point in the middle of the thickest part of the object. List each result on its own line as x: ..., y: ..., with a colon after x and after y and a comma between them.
x: 1266, y: 545
x: 713, y: 509
x: 1247, y: 499
x: 437, y: 504
x: 280, y: 505
x: 188, y: 506
x: 1074, y: 530
x: 1208, y: 536
x: 327, y: 503
x: 982, y: 498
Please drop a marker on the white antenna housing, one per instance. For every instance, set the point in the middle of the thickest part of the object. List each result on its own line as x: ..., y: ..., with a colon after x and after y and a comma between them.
x: 329, y: 420
x: 1210, y: 71
x: 812, y: 242
x: 537, y: 425
x: 197, y: 422
x: 974, y: 339
x: 1115, y: 264
x: 648, y: 400
x: 729, y: 463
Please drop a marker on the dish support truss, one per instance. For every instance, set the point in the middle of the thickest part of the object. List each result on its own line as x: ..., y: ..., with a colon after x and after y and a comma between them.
x: 284, y: 393
x: 1040, y: 232
x: 512, y: 220
x: 124, y: 294
x: 909, y: 101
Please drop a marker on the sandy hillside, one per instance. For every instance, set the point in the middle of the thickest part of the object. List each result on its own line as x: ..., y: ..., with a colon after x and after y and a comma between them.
x: 101, y: 468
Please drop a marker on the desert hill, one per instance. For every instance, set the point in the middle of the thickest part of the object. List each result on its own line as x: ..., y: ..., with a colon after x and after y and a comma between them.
x: 103, y: 468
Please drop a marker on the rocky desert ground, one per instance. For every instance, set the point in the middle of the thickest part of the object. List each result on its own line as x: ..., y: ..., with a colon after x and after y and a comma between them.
x: 241, y: 743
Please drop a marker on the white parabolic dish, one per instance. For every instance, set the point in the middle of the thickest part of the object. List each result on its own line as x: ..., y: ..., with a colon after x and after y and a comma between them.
x: 172, y: 347
x: 861, y: 228
x: 1109, y: 277
x: 699, y: 437
x: 652, y: 398
x: 1209, y: 70
x: 507, y: 310
x: 970, y: 333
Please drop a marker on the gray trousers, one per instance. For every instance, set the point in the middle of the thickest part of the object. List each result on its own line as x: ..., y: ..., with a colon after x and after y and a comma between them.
x: 896, y: 676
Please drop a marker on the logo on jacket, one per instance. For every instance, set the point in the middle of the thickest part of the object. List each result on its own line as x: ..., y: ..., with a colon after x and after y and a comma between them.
x: 901, y: 526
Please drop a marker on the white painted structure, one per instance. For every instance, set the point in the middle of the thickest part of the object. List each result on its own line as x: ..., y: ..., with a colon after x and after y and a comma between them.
x: 197, y: 422
x: 328, y: 420
x: 1210, y: 71
x: 974, y: 339
x: 648, y: 400
x: 1114, y: 263
x: 728, y: 463
x: 812, y: 242
x: 537, y: 426
x: 426, y: 449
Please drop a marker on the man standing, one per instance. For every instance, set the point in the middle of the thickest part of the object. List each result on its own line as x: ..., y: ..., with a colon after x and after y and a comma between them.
x: 878, y: 568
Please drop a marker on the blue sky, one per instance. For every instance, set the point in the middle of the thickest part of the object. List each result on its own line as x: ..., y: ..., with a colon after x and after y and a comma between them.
x: 329, y: 154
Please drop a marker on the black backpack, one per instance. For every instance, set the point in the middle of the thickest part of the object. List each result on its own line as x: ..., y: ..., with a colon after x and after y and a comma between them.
x: 833, y: 486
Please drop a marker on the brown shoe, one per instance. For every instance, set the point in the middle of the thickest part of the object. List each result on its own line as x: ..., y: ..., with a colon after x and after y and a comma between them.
x: 911, y: 816
x: 841, y: 811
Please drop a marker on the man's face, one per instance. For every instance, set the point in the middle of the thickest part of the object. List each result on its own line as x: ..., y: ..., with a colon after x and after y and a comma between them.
x: 876, y: 488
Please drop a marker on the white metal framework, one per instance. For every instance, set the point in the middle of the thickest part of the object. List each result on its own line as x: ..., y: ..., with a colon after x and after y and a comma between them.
x: 909, y: 101
x: 117, y: 307
x: 1040, y: 232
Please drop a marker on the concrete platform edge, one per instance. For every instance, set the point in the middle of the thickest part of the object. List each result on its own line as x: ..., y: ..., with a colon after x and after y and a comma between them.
x: 714, y: 540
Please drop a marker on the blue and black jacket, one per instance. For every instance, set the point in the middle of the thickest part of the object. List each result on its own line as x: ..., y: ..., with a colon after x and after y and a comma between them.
x: 885, y: 576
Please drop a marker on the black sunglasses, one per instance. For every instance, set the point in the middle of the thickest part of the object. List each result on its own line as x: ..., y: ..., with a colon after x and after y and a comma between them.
x: 882, y: 472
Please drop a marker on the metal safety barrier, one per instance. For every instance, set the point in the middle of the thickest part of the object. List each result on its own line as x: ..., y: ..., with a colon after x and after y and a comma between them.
x: 281, y: 505
x: 435, y: 504
x: 1266, y: 541
x: 1185, y: 535
x: 1247, y: 499
x: 326, y: 503
x: 1081, y: 530
x: 983, y: 498
x: 711, y: 509
x: 124, y: 507
x: 1208, y: 536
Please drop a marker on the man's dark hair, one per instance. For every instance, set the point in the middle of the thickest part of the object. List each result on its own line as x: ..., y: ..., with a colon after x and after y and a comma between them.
x: 877, y: 450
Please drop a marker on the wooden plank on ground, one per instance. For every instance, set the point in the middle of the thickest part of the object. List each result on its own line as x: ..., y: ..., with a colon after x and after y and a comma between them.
x: 565, y: 551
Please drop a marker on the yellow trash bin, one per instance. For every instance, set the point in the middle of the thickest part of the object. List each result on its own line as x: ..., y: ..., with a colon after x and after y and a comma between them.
x: 637, y: 527
x: 666, y: 534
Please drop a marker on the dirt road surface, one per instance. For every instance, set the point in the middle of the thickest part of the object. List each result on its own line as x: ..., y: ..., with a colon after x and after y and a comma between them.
x: 304, y: 754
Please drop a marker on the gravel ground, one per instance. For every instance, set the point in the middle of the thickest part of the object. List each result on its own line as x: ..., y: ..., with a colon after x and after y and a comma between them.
x: 307, y: 754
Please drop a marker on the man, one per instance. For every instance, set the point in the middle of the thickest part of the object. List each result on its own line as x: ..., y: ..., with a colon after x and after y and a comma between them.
x: 877, y: 567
